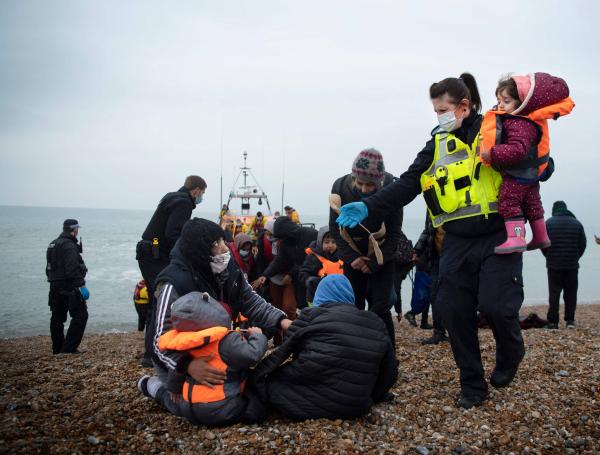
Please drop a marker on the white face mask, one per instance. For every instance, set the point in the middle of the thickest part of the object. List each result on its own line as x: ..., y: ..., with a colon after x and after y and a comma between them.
x: 219, y: 262
x: 244, y: 254
x: 448, y: 121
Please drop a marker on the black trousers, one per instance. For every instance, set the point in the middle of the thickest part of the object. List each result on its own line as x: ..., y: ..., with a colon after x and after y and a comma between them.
x: 435, y: 310
x: 376, y: 288
x: 472, y: 277
x: 150, y: 269
x: 63, y: 301
x: 565, y: 281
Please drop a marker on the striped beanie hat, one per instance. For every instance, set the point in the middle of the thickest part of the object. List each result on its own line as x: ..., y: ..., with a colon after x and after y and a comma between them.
x: 368, y: 166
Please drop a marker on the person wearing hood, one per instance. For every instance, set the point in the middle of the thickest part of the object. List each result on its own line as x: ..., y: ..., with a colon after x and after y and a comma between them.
x: 159, y: 238
x: 516, y: 142
x: 283, y: 271
x: 562, y: 261
x: 202, y: 328
x: 321, y: 260
x: 241, y: 248
x: 371, y: 281
x: 201, y: 262
x: 342, y: 359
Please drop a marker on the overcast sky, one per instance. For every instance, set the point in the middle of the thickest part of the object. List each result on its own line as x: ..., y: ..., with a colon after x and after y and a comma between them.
x: 112, y: 103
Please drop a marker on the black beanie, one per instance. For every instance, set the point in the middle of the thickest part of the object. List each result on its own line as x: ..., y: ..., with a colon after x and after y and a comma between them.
x: 197, y: 238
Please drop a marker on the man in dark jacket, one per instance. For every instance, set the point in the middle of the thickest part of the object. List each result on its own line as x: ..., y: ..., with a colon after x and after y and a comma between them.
x: 342, y: 362
x: 568, y: 243
x: 163, y: 230
x: 370, y: 280
x: 66, y: 272
x: 292, y: 241
x: 201, y: 262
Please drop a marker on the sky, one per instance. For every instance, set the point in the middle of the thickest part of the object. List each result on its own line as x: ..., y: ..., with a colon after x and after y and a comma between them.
x: 111, y: 104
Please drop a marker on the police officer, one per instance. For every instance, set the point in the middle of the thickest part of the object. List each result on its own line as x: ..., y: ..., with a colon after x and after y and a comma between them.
x: 163, y: 230
x: 66, y: 271
x: 462, y: 195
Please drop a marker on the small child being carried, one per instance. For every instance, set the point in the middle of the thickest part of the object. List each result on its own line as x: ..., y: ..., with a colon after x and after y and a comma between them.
x: 516, y: 143
x: 202, y: 328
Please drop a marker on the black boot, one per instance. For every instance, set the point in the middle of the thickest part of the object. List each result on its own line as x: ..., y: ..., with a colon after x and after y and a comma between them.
x: 467, y: 402
x: 410, y: 318
x: 438, y: 337
x: 502, y: 378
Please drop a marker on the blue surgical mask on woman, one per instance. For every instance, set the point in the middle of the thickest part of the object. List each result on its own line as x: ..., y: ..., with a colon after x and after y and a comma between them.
x: 244, y: 254
x: 198, y: 199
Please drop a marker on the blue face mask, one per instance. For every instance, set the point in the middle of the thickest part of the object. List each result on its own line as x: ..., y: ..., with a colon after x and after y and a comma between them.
x: 198, y: 199
x: 362, y: 195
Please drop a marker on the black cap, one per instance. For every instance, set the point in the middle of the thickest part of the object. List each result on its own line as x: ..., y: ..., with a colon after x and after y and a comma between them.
x: 70, y: 224
x: 259, y: 214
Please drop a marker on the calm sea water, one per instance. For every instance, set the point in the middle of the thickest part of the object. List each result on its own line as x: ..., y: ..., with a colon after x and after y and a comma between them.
x: 109, y: 239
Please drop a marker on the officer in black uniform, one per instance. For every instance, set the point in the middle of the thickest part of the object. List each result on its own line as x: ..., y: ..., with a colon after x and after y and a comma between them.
x: 66, y: 271
x: 163, y: 230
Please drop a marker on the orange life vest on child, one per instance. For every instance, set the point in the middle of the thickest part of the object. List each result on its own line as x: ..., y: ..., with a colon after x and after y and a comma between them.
x: 536, y: 162
x: 328, y: 267
x: 202, y: 343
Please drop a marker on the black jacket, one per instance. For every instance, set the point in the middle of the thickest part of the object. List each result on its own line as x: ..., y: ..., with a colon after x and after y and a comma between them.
x: 173, y: 210
x: 343, y: 362
x: 568, y: 242
x: 391, y: 217
x: 260, y: 260
x: 425, y: 247
x: 408, y: 186
x: 293, y: 241
x: 179, y: 278
x: 64, y: 263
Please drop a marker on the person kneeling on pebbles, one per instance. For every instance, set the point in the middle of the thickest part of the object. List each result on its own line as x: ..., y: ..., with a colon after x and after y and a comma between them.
x: 202, y: 328
x: 342, y: 359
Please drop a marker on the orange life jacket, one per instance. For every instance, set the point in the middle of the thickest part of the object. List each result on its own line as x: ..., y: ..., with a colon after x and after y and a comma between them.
x: 198, y: 344
x: 536, y: 162
x: 328, y: 267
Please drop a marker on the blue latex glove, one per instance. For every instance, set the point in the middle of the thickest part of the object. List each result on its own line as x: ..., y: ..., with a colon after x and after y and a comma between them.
x: 352, y: 214
x: 85, y: 293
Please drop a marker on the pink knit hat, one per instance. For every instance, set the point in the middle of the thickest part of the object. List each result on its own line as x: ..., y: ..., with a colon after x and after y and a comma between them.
x: 368, y: 166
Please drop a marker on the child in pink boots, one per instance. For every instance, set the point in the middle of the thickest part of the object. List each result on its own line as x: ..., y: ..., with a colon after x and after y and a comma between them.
x: 516, y: 143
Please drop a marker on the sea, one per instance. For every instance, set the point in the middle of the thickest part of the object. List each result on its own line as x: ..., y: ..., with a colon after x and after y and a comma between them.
x: 109, y: 238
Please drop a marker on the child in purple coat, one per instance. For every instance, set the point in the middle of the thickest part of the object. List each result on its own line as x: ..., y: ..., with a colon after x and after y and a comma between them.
x: 524, y: 104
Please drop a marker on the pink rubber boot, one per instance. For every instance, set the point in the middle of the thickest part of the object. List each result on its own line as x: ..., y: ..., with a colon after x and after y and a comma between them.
x: 540, y: 235
x: 515, y: 241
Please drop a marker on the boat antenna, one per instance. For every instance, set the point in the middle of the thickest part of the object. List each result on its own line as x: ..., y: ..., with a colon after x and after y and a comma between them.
x: 283, y: 175
x: 222, y: 134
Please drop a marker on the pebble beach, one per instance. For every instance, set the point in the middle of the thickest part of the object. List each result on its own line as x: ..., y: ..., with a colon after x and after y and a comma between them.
x: 88, y: 403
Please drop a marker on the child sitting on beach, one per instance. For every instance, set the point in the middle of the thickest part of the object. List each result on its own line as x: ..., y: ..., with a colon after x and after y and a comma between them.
x: 516, y: 142
x: 321, y: 260
x: 202, y: 328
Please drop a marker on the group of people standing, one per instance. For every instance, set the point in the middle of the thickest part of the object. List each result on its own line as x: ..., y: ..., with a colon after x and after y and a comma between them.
x: 214, y: 300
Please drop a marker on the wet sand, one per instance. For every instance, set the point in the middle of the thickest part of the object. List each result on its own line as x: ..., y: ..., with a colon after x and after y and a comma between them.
x: 89, y: 404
